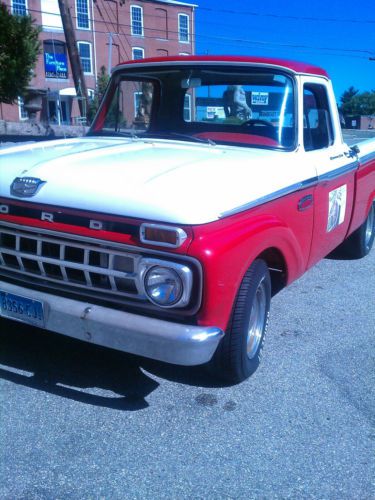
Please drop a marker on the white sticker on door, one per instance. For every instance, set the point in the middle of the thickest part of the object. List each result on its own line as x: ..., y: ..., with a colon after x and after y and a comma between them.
x: 336, y: 207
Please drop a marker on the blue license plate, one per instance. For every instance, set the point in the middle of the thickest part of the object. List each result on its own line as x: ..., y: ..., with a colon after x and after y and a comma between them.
x: 22, y: 309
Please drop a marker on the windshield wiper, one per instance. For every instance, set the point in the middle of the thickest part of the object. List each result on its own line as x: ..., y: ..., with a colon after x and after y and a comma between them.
x: 177, y: 135
x: 107, y: 133
x: 192, y: 138
x: 158, y: 135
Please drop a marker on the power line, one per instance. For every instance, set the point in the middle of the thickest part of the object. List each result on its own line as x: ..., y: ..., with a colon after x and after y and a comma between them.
x: 227, y: 40
x: 260, y: 14
x: 294, y: 18
x: 259, y: 44
x: 122, y: 45
x: 283, y: 44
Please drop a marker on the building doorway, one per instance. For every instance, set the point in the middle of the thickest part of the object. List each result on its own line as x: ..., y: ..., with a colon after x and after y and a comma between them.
x: 58, y: 110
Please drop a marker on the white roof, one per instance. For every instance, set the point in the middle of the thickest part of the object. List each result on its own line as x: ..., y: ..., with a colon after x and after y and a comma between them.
x: 70, y: 91
x: 175, y: 2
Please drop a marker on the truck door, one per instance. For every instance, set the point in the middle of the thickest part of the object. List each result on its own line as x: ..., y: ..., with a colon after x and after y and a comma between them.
x: 335, y: 168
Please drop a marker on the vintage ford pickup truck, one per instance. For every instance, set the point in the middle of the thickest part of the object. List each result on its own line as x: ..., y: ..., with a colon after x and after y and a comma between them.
x: 204, y: 186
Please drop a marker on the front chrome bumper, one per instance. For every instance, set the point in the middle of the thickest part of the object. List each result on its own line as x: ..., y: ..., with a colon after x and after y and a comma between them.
x: 153, y: 338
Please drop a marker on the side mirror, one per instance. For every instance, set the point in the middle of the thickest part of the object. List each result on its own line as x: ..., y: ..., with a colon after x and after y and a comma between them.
x: 355, y: 149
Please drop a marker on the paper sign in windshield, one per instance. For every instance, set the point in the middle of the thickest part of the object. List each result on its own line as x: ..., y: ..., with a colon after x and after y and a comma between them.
x: 259, y: 98
x: 336, y: 208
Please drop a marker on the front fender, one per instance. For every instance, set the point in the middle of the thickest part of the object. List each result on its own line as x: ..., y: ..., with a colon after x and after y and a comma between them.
x: 227, y: 248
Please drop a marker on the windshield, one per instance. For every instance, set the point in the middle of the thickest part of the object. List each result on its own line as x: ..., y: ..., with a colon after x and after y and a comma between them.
x: 215, y: 104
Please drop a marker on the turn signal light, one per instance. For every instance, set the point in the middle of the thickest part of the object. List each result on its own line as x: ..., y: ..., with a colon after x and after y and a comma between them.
x: 164, y: 236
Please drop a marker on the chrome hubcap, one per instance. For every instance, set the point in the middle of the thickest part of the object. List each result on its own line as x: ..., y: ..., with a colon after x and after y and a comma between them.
x: 370, y: 225
x: 257, y: 319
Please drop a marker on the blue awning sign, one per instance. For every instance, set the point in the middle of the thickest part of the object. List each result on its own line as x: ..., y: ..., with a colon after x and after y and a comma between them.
x: 55, y: 65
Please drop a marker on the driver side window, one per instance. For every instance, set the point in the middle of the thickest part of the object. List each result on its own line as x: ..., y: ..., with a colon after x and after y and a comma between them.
x: 317, y: 124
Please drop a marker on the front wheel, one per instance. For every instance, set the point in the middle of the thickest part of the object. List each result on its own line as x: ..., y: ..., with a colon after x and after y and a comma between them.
x: 239, y: 353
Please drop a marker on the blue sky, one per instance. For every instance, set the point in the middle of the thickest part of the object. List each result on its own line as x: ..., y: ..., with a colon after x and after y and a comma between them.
x: 339, y: 36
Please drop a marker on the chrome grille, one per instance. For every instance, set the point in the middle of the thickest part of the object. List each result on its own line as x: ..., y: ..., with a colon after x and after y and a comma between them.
x: 56, y: 259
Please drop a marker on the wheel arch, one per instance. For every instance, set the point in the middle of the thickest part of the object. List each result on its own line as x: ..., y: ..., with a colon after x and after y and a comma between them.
x: 226, y: 262
x: 277, y: 267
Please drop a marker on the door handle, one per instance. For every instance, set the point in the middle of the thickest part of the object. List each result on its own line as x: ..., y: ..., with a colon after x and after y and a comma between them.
x: 305, y: 202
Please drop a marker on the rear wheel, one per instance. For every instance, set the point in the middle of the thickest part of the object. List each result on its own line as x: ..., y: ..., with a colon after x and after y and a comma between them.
x: 239, y: 353
x: 360, y: 242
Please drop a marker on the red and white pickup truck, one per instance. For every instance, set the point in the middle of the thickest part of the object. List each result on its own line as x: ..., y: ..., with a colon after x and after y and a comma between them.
x: 204, y: 186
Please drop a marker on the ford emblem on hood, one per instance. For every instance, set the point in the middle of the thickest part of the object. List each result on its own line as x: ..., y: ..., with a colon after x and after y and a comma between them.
x: 25, y: 187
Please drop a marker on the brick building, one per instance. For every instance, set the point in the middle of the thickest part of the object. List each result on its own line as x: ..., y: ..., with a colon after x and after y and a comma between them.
x: 107, y: 32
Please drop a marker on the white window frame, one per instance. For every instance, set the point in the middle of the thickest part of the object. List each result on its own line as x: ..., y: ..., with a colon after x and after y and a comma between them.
x: 138, y: 48
x: 136, y: 94
x: 180, y: 16
x: 133, y: 6
x: 22, y: 113
x: 83, y: 42
x: 188, y: 96
x: 51, y: 18
x: 26, y: 8
x: 88, y: 16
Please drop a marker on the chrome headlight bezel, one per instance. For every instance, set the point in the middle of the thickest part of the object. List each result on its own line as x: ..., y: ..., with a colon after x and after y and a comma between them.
x: 183, y: 272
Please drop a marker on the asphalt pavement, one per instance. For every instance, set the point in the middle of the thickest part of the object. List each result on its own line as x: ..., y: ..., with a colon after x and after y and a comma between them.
x: 82, y: 422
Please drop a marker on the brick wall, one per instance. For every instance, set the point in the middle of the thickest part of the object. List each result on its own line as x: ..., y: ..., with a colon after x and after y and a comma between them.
x: 159, y: 37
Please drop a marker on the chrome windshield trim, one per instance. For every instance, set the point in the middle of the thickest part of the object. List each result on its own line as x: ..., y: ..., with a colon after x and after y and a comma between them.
x: 313, y: 181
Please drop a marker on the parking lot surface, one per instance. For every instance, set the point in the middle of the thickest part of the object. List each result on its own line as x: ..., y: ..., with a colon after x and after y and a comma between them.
x: 79, y: 421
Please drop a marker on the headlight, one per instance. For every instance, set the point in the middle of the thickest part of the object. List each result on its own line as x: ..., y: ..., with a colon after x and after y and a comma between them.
x: 165, y: 283
x: 163, y: 286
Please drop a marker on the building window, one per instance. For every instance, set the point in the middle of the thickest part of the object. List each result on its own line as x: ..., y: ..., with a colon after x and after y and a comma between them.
x: 187, y: 108
x: 138, y: 53
x: 183, y: 28
x: 137, y: 102
x: 51, y: 18
x: 82, y: 8
x: 21, y: 108
x: 55, y: 60
x: 162, y: 31
x: 136, y: 14
x: 84, y: 49
x: 19, y: 7
x: 162, y: 52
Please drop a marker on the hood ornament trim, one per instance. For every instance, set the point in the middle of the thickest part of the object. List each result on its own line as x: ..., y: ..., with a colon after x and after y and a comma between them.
x: 26, y: 187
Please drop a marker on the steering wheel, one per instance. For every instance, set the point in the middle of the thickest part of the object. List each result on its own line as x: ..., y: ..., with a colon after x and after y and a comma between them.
x: 263, y: 123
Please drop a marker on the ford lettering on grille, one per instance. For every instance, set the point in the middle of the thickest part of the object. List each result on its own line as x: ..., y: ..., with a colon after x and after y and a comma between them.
x: 25, y: 187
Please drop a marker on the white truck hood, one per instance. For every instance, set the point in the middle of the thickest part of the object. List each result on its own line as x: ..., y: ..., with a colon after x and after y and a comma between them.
x: 167, y: 181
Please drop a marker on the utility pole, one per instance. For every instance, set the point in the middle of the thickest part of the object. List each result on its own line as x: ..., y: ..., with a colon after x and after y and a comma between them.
x: 110, y: 43
x: 75, y: 60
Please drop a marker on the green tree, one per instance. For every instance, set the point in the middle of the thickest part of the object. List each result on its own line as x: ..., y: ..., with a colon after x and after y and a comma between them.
x: 355, y: 103
x: 101, y: 85
x: 19, y: 49
x: 363, y: 104
x: 348, y: 95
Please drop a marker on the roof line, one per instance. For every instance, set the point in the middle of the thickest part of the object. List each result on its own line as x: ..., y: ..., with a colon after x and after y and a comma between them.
x: 294, y: 66
x: 176, y: 2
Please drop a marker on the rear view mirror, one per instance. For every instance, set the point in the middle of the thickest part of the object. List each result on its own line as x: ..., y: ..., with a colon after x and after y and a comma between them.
x: 191, y: 83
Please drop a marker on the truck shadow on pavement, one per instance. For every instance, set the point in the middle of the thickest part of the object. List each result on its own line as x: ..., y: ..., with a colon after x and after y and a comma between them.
x: 84, y: 372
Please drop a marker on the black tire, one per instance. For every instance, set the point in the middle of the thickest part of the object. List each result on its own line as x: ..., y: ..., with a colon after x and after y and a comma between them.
x: 239, y: 353
x: 360, y: 242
